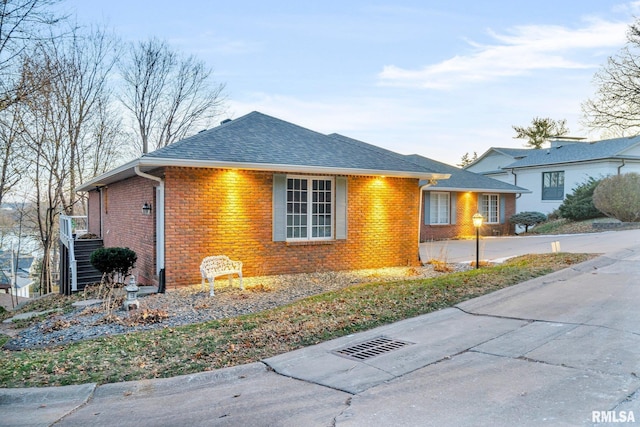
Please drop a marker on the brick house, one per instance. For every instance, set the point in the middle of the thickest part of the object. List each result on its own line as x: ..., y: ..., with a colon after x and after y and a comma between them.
x: 448, y: 205
x: 278, y: 197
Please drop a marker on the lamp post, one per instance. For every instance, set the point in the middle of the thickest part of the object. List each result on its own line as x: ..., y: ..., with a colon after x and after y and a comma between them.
x: 477, y: 223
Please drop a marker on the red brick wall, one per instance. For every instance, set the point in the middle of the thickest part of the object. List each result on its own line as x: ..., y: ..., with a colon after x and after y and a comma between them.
x: 229, y: 212
x: 124, y: 225
x: 214, y: 211
x: 466, y: 206
x: 94, y: 213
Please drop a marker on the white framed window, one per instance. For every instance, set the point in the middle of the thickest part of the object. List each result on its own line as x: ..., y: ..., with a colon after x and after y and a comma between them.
x: 309, y: 208
x: 439, y: 208
x: 490, y: 208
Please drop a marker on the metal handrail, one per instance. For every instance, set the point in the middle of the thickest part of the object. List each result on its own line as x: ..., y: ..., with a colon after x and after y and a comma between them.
x: 67, y: 231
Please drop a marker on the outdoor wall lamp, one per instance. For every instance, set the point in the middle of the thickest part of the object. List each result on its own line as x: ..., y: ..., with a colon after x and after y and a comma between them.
x: 477, y: 223
x: 146, y: 208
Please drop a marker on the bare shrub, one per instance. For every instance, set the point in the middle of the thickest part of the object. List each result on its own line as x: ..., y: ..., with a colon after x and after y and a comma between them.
x: 618, y: 197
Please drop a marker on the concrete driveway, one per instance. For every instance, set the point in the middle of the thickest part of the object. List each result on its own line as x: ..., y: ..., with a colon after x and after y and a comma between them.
x: 500, y: 248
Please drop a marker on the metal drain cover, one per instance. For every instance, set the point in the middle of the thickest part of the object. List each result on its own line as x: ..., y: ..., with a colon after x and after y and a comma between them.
x: 372, y: 348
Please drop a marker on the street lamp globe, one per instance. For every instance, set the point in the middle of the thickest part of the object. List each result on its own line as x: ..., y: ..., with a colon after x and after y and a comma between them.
x: 477, y: 220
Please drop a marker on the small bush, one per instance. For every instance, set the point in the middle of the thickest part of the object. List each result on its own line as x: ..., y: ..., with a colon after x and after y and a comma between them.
x: 527, y: 219
x: 112, y: 261
x: 553, y: 215
x: 579, y: 206
x: 618, y: 197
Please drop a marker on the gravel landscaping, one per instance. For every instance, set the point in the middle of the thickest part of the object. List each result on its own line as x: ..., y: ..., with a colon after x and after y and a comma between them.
x: 193, y: 305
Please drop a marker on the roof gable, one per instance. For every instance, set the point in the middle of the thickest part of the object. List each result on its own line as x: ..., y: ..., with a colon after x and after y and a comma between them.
x: 495, y: 158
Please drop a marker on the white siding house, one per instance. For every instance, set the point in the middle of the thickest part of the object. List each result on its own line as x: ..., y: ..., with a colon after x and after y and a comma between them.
x: 552, y: 173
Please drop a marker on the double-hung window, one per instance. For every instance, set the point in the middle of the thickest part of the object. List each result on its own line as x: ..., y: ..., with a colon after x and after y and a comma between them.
x: 439, y: 208
x: 490, y: 208
x: 310, y: 208
x: 553, y: 185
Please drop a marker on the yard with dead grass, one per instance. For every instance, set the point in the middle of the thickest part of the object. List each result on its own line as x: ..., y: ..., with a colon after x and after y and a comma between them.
x: 171, y: 351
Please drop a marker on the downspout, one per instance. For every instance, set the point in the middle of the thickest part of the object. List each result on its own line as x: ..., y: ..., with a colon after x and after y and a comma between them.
x: 621, y: 166
x: 159, y: 218
x: 515, y: 182
x: 420, y: 207
x: 100, y: 205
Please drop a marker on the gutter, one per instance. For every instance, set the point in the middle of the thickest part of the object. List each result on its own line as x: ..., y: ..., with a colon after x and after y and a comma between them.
x: 127, y: 170
x: 270, y: 167
x: 138, y: 172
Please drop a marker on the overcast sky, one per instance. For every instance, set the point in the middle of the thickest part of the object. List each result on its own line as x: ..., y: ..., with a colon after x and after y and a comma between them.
x: 436, y: 78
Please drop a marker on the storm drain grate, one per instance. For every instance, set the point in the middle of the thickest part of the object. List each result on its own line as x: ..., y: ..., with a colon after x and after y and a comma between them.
x: 371, y: 348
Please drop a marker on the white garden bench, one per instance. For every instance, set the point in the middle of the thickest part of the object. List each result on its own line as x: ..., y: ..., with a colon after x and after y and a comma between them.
x: 220, y: 265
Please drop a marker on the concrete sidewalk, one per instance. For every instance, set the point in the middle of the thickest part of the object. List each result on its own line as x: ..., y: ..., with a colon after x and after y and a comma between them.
x: 563, y: 349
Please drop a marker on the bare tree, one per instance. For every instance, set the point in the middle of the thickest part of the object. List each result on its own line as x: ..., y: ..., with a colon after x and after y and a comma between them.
x: 616, y: 105
x: 22, y: 23
x: 12, y: 167
x: 540, y: 130
x: 168, y: 95
x: 66, y: 127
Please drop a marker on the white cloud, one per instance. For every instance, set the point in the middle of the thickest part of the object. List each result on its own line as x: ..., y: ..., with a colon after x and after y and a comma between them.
x: 517, y: 52
x: 336, y: 115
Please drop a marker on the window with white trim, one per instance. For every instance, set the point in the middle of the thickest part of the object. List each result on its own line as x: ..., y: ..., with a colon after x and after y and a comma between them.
x: 309, y: 208
x: 439, y: 208
x: 490, y: 208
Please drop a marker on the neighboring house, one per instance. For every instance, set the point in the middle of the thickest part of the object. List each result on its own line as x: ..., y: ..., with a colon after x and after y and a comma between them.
x: 276, y: 196
x: 448, y: 206
x: 23, y: 281
x: 552, y: 173
x: 20, y: 287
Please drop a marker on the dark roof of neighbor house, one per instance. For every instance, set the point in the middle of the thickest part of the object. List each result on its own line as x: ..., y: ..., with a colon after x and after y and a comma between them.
x: 513, y: 152
x: 579, y: 152
x: 24, y: 261
x: 260, y: 142
x: 462, y: 180
x: 565, y: 152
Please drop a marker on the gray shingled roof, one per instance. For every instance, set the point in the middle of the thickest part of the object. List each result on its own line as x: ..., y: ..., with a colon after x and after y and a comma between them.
x: 577, y: 152
x: 257, y: 138
x: 464, y: 180
x: 513, y: 152
x: 260, y: 142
